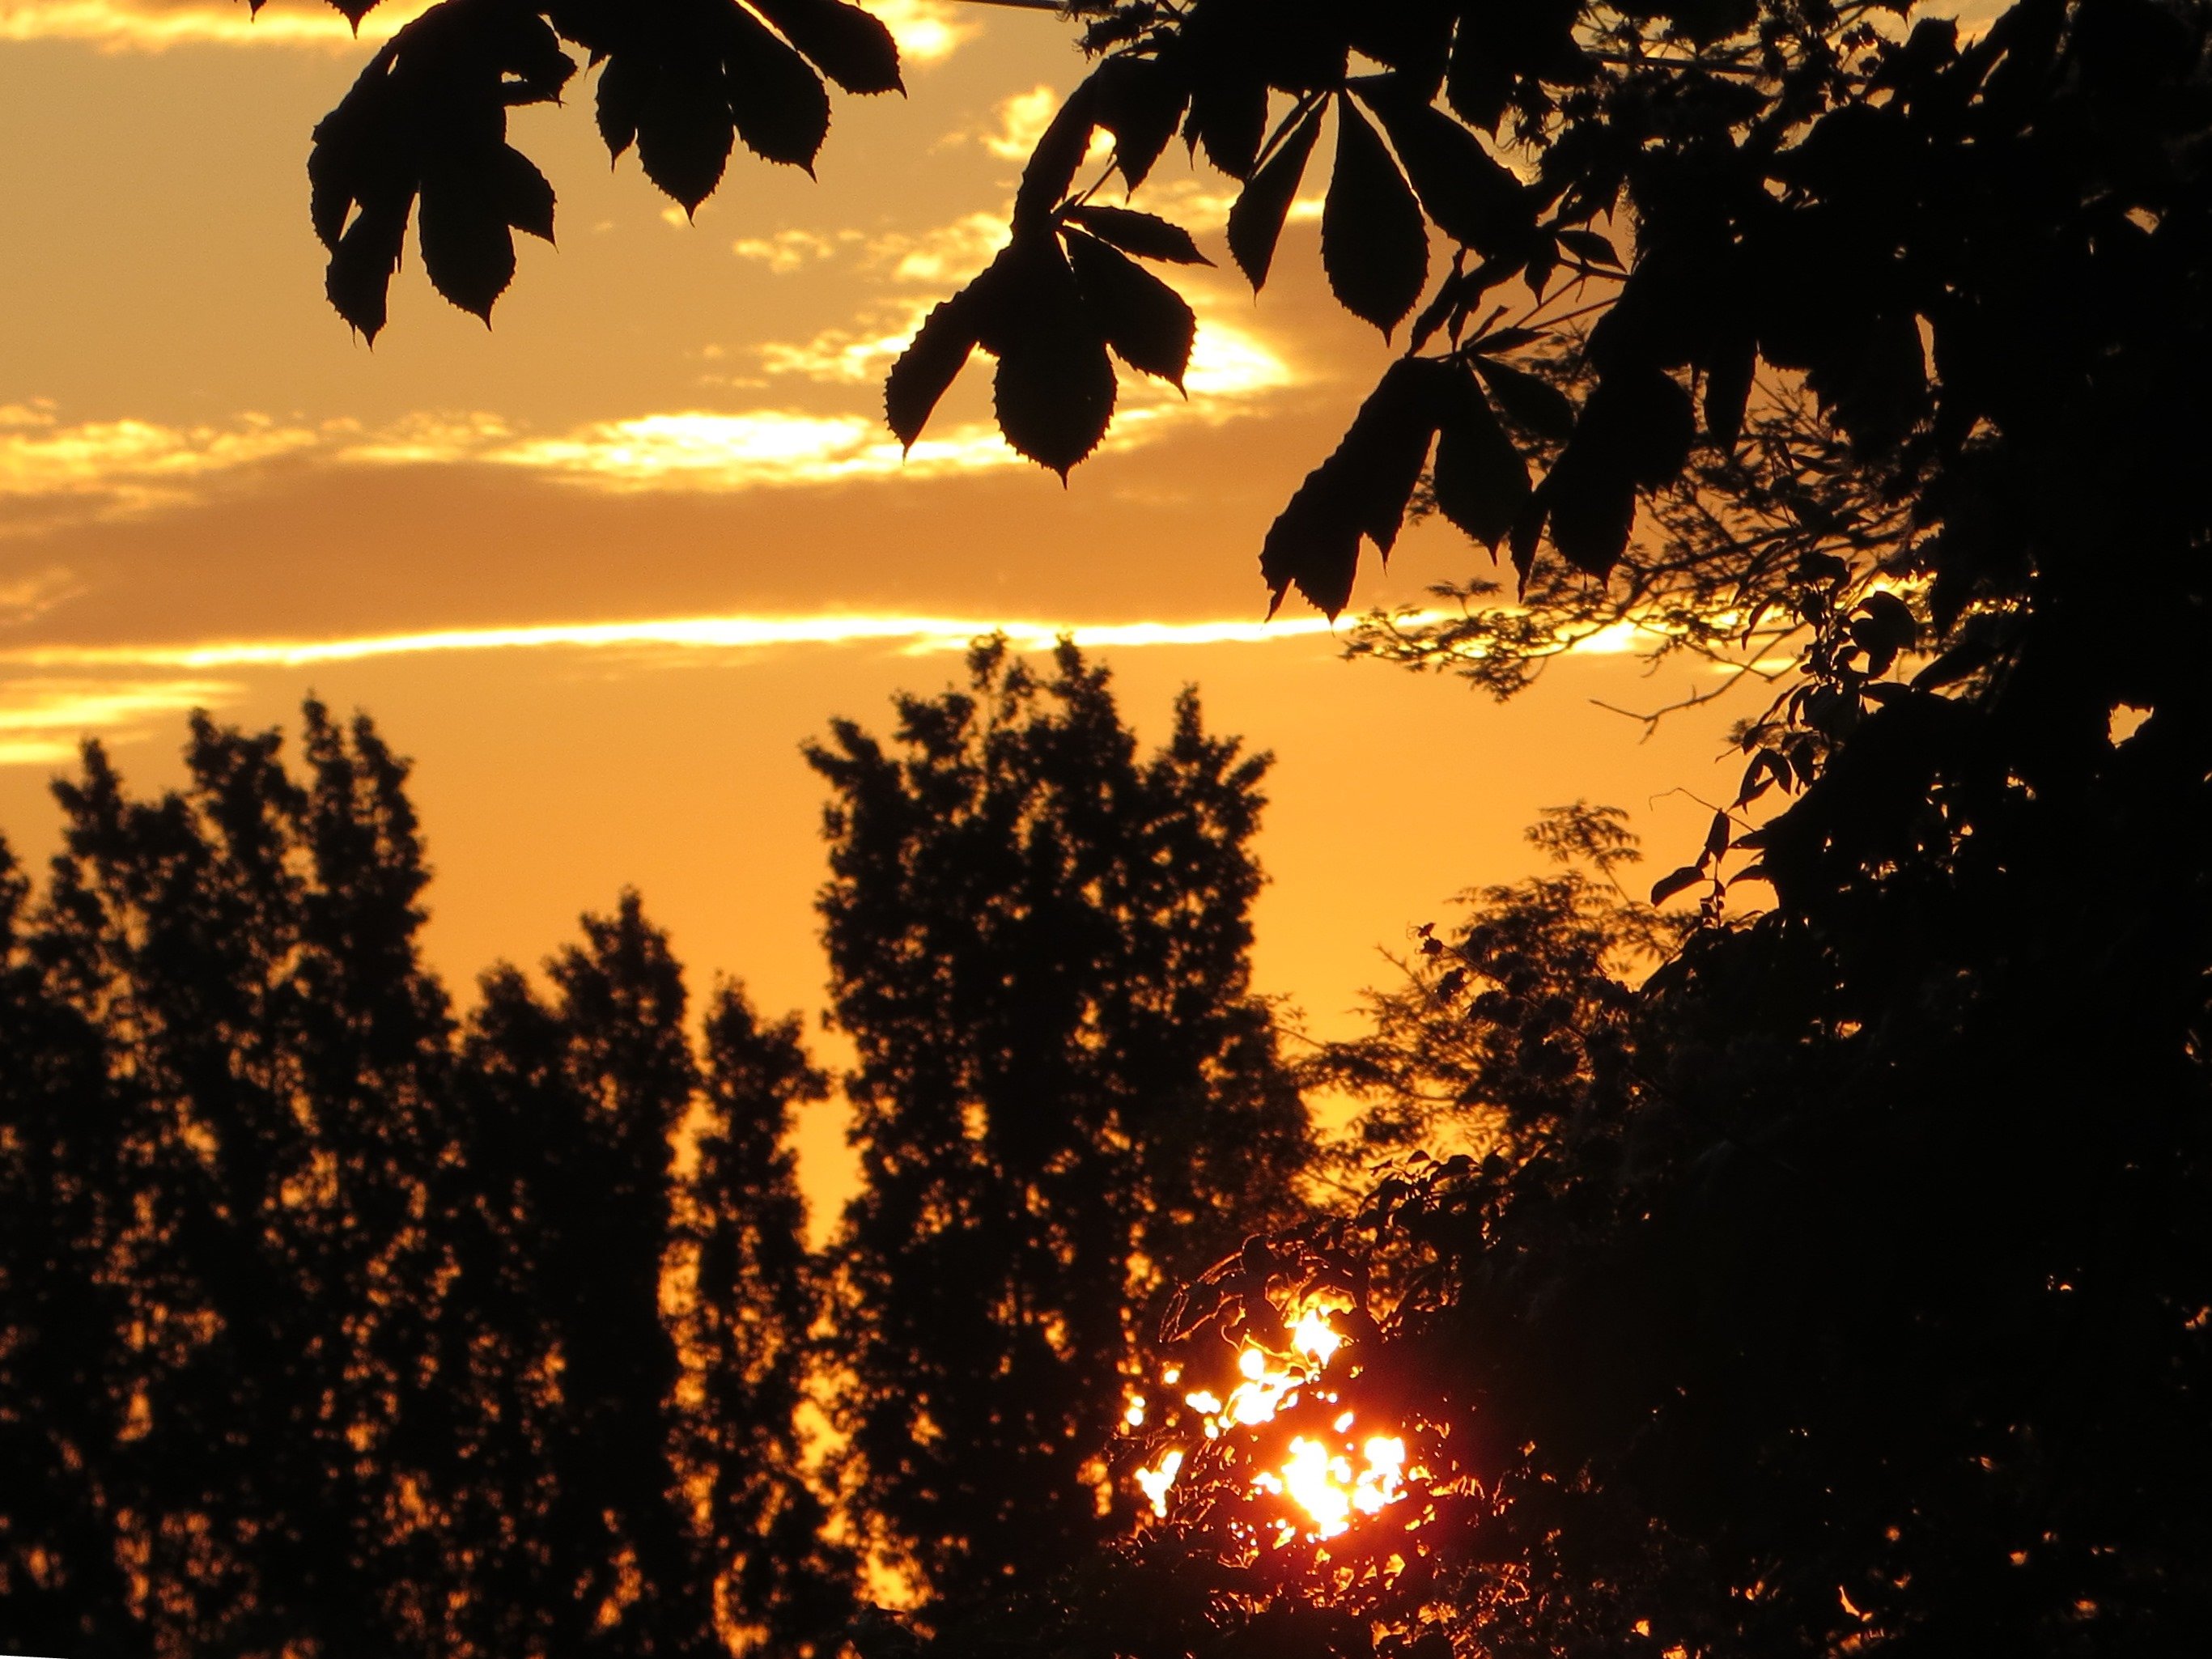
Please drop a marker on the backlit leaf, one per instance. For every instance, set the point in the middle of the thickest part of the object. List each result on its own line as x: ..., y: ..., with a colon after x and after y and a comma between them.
x: 1535, y: 404
x: 850, y: 45
x: 1590, y: 247
x: 1054, y: 390
x: 1728, y: 388
x: 684, y: 133
x: 1481, y: 481
x: 1255, y: 222
x: 1361, y: 488
x: 1473, y: 197
x: 1140, y: 100
x: 427, y: 118
x: 1228, y: 118
x: 777, y: 102
x: 1142, y: 318
x: 928, y: 365
x: 1050, y: 172
x: 1144, y: 234
x: 1373, y: 244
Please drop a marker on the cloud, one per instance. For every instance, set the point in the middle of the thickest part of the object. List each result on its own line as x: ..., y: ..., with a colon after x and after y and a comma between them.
x: 1021, y: 121
x: 793, y: 250
x: 159, y: 25
x: 699, y: 450
x: 1230, y: 364
x: 43, y: 720
x: 27, y: 596
x: 53, y: 473
x: 913, y: 634
x: 927, y: 31
x: 45, y: 713
x: 50, y: 471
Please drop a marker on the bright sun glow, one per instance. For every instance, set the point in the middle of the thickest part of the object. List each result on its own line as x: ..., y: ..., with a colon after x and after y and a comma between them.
x: 1333, y: 1483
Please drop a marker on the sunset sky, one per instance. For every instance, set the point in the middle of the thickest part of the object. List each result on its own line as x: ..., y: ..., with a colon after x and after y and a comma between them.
x: 601, y: 569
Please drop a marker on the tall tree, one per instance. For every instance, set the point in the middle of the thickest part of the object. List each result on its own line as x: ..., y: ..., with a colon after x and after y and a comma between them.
x: 245, y: 1186
x: 595, y: 1087
x: 64, y: 1149
x: 1067, y: 1096
x: 326, y: 1330
x: 745, y: 1328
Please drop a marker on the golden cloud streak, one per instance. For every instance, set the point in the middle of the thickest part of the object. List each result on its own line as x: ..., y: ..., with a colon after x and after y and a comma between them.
x: 926, y: 31
x: 129, y: 463
x: 154, y: 26
x: 42, y: 719
x: 914, y: 635
x: 52, y: 472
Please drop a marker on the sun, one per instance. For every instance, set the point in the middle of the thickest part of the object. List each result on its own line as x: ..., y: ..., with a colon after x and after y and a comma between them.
x: 1329, y: 1481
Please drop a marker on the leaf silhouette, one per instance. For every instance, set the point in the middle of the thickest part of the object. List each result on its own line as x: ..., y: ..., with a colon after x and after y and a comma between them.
x: 623, y: 83
x: 1373, y: 244
x: 1473, y: 197
x: 1140, y: 100
x: 465, y: 223
x: 1051, y: 168
x: 1477, y: 79
x: 1144, y: 234
x: 1481, y: 481
x: 1590, y: 247
x: 1535, y: 404
x: 1054, y: 390
x: 1636, y: 429
x: 1728, y: 388
x: 1142, y: 318
x: 849, y: 46
x: 1593, y: 510
x: 1228, y: 118
x: 684, y: 133
x: 928, y: 365
x: 776, y: 102
x: 1255, y: 222
x: 428, y: 118
x: 1361, y: 488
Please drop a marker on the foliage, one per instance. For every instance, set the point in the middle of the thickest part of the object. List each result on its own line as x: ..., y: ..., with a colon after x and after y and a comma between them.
x: 1544, y: 967
x: 323, y: 1322
x: 1852, y: 1290
x: 423, y: 132
x: 1067, y: 1098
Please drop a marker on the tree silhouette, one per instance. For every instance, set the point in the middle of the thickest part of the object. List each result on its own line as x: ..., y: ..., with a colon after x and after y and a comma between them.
x: 755, y: 1299
x: 237, y: 1171
x: 591, y: 1090
x: 1843, y: 1285
x: 327, y: 1325
x: 62, y: 1150
x: 1518, y: 1017
x: 1067, y: 1097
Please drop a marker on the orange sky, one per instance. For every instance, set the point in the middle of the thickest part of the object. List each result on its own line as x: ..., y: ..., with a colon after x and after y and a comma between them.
x: 672, y: 422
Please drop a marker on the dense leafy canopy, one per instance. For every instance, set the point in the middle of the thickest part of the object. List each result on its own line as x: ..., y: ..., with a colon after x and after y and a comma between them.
x: 1067, y: 1099
x: 423, y: 131
x: 1844, y: 1283
x: 323, y: 1322
x: 327, y: 1321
